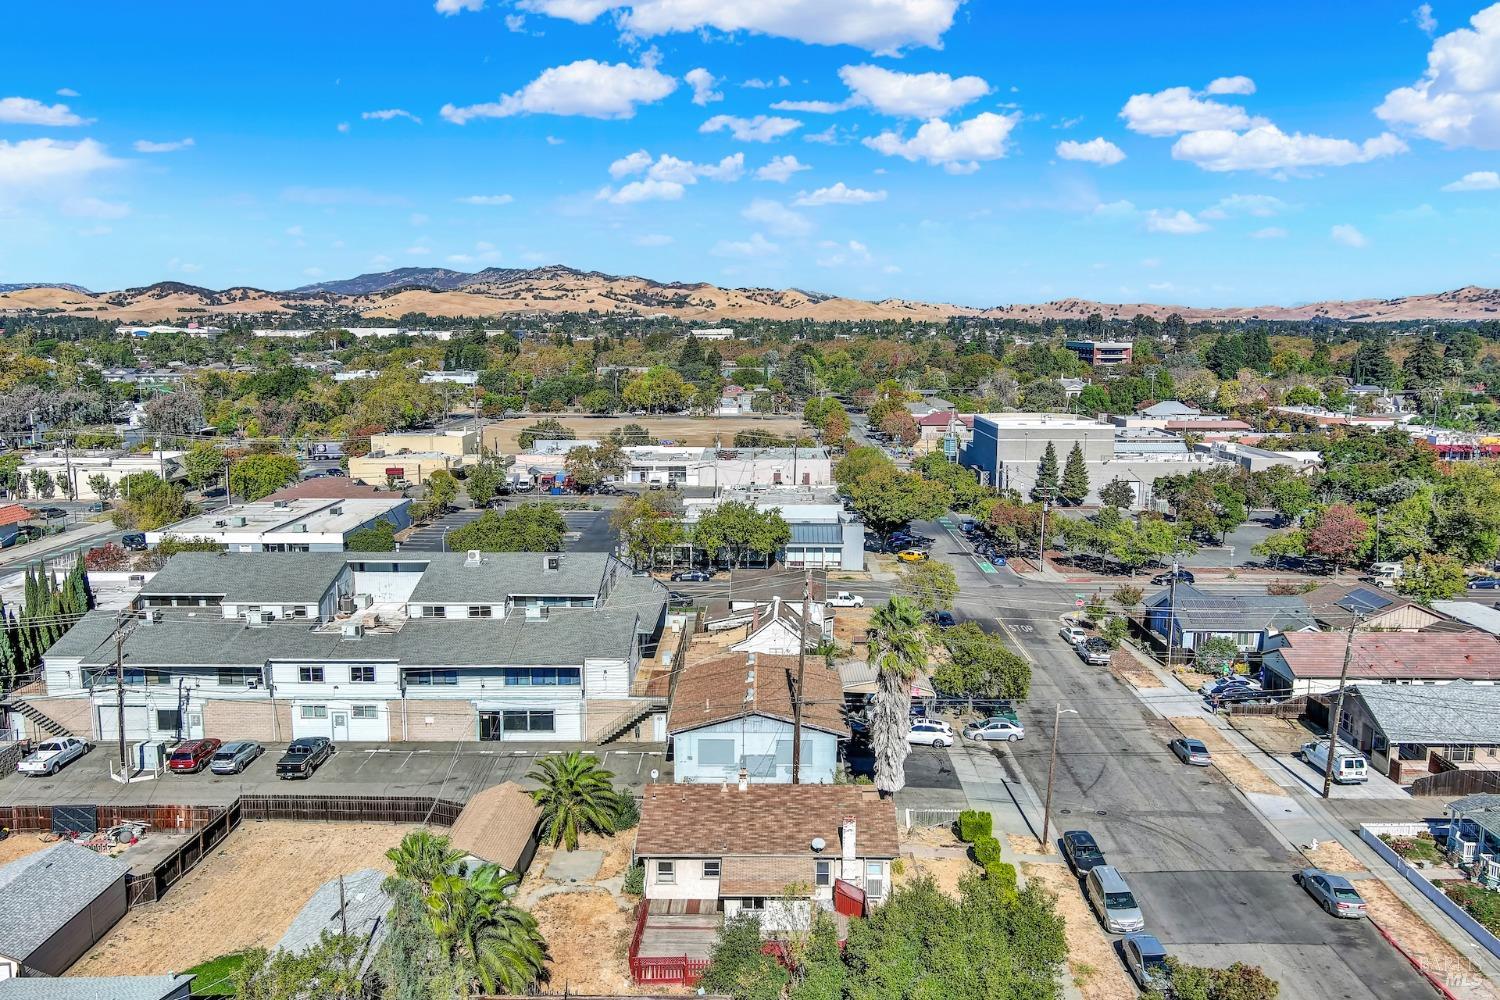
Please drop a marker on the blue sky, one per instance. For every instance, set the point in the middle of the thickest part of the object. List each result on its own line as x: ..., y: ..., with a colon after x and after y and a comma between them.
x: 976, y: 152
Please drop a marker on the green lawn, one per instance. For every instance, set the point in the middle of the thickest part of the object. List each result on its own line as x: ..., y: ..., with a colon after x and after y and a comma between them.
x: 1478, y: 902
x: 1419, y: 848
x: 216, y: 976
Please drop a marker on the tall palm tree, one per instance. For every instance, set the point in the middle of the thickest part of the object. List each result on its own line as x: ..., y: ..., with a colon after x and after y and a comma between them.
x: 423, y: 857
x: 898, y: 649
x: 494, y: 942
x: 577, y: 795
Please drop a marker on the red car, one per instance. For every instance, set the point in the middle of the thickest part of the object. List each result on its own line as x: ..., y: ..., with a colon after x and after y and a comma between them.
x: 193, y: 756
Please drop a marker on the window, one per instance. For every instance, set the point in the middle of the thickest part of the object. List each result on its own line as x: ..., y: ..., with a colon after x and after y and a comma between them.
x: 822, y: 873
x: 314, y: 711
x: 522, y: 720
x: 666, y: 872
x: 434, y: 611
x: 710, y: 869
x: 716, y: 753
x: 237, y: 676
x: 365, y: 711
x: 362, y: 675
x: 540, y: 676
x: 752, y: 902
x: 428, y: 677
x: 1460, y: 755
x: 168, y: 718
x: 310, y: 675
x: 480, y: 611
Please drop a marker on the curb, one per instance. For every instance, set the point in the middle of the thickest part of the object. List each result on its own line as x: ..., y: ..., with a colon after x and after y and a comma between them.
x: 1415, y: 963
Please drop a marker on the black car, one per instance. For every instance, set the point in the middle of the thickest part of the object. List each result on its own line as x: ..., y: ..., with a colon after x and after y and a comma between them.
x: 944, y: 619
x: 1165, y: 579
x: 692, y: 576
x: 1237, y: 694
x: 1082, y: 851
x: 135, y: 541
x: 303, y: 756
x: 50, y: 512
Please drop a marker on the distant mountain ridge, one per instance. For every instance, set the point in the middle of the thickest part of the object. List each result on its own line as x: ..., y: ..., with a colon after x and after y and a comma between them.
x: 554, y: 289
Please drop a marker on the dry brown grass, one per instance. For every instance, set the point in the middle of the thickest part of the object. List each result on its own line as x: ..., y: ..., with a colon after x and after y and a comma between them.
x: 588, y: 937
x: 1230, y: 762
x: 1126, y: 665
x: 1095, y: 968
x: 19, y: 845
x: 1028, y: 845
x: 243, y: 895
x: 1332, y: 856
x: 934, y: 836
x: 1424, y: 944
x: 946, y: 872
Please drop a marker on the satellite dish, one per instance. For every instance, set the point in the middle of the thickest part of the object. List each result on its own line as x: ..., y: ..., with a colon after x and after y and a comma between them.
x: 818, y: 843
x: 655, y: 774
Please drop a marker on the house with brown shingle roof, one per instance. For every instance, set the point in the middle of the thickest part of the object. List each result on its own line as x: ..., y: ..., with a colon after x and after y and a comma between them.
x: 732, y: 713
x: 1309, y: 662
x: 498, y: 827
x: 780, y: 852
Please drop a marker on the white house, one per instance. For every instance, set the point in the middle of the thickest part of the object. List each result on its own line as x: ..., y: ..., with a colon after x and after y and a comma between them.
x: 78, y: 467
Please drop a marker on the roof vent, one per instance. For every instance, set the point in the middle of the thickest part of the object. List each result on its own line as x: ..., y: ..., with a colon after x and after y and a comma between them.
x: 279, y: 504
x: 336, y: 511
x: 551, y: 562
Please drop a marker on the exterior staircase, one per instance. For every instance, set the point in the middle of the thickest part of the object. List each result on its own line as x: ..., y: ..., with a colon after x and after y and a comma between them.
x: 623, y: 723
x: 16, y: 702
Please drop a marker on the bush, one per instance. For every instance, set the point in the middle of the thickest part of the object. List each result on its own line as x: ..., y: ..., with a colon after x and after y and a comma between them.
x: 627, y: 813
x: 897, y: 866
x: 987, y: 851
x: 1003, y: 872
x: 973, y: 824
x: 635, y: 880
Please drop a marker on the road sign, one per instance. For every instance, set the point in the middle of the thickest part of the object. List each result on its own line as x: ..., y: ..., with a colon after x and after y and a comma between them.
x: 1078, y: 603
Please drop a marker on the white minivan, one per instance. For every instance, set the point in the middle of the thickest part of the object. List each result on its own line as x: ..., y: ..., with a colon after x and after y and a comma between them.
x: 1349, y: 765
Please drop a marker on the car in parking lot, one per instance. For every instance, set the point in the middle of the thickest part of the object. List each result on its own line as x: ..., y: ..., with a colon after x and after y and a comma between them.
x: 96, y: 507
x: 968, y: 525
x: 1094, y: 650
x: 302, y: 757
x: 1072, y: 634
x: 192, y: 756
x: 1165, y: 579
x: 51, y: 756
x: 1082, y: 851
x: 1191, y: 751
x: 995, y: 728
x: 235, y: 756
x: 912, y: 555
x: 1333, y: 893
x: 1146, y: 961
x: 692, y: 576
x: 930, y: 733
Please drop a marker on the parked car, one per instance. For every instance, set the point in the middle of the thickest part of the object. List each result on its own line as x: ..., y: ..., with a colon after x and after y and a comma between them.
x: 844, y: 599
x: 49, y: 512
x: 1333, y: 893
x: 51, y: 756
x: 944, y: 619
x: 692, y: 576
x: 1165, y: 579
x: 1082, y: 851
x: 1094, y: 650
x: 135, y: 541
x: 234, y: 757
x: 303, y: 756
x: 1214, y: 686
x: 1191, y: 751
x: 1110, y: 895
x: 1072, y: 634
x: 96, y: 507
x: 1237, y: 694
x: 1349, y: 765
x: 1146, y: 961
x: 193, y: 756
x: 1485, y: 583
x: 930, y: 733
x: 995, y: 728
x: 968, y: 525
x: 911, y: 555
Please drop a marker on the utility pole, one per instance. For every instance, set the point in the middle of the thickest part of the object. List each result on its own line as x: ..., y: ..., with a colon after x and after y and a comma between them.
x: 121, y: 631
x: 1338, y: 710
x: 1171, y: 613
x: 801, y: 676
x: 1051, y: 771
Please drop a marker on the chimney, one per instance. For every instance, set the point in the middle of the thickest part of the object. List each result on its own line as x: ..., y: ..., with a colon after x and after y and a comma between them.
x: 848, y: 855
x: 744, y: 780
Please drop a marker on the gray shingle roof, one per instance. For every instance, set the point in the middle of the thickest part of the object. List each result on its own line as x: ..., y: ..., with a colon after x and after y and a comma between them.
x: 365, y: 907
x: 96, y: 988
x: 277, y: 577
x: 1455, y: 714
x: 43, y: 891
x: 501, y: 574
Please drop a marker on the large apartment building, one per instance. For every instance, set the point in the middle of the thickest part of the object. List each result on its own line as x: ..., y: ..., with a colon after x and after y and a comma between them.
x: 437, y: 646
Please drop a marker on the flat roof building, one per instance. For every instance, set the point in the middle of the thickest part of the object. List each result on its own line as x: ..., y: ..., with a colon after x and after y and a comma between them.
x: 305, y: 524
x: 1101, y: 352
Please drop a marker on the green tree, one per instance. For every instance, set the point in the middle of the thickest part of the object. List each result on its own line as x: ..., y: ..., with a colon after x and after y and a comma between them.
x: 648, y: 524
x: 422, y: 856
x: 656, y: 389
x: 104, y: 488
x: 378, y: 537
x: 1432, y: 577
x: 898, y: 649
x: 1045, y: 487
x: 483, y: 481
x: 1117, y: 493
x: 328, y: 969
x: 203, y: 465
x: 1280, y: 546
x: 527, y: 527
x: 587, y: 467
x: 739, y: 968
x: 981, y: 665
x: 576, y: 796
x: 496, y: 943
x: 1217, y: 654
x: 888, y: 498
x: 1074, y: 488
x: 738, y: 529
x: 149, y: 503
x: 1372, y: 364
x: 442, y: 491
x: 858, y: 463
x: 932, y: 584
x: 1423, y: 366
x: 1238, y: 982
x: 256, y: 476
x: 631, y: 435
x: 546, y: 429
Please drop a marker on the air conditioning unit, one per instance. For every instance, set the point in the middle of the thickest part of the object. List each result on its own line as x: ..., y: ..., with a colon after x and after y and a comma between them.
x: 151, y: 617
x: 346, y: 605
x: 365, y: 600
x: 280, y: 504
x: 255, y: 619
x: 251, y: 682
x: 300, y: 528
x: 240, y: 522
x: 353, y: 630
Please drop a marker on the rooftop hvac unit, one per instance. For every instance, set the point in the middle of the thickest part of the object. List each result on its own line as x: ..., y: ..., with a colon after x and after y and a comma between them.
x: 472, y: 557
x: 255, y: 619
x: 353, y: 630
x: 365, y: 600
x: 240, y: 522
x: 151, y: 617
x: 221, y: 524
x: 302, y: 528
x: 346, y: 605
x: 336, y: 511
x: 280, y: 504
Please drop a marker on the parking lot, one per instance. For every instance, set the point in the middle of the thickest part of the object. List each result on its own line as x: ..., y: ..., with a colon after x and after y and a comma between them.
x: 587, y: 531
x: 442, y: 770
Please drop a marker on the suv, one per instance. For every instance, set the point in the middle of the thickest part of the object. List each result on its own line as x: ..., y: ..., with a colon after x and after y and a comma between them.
x: 192, y: 756
x: 930, y: 732
x: 1082, y: 851
x: 233, y: 758
x: 1164, y: 579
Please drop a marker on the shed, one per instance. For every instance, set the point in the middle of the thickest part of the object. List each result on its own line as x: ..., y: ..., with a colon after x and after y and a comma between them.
x: 169, y: 987
x: 362, y: 915
x: 59, y: 902
x: 498, y: 827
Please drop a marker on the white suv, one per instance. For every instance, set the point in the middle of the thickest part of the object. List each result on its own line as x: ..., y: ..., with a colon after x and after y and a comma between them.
x: 931, y: 733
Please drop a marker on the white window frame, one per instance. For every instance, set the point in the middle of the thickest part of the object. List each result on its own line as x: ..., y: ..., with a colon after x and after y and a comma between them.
x: 313, y: 711
x: 822, y: 873
x: 711, y: 869
x: 666, y: 873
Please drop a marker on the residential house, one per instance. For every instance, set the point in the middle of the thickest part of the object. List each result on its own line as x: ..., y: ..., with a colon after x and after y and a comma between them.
x: 732, y: 714
x: 355, y: 904
x: 1338, y: 605
x: 303, y: 524
x: 1483, y: 617
x: 944, y: 430
x: 1474, y: 836
x: 1193, y: 616
x: 168, y: 987
x: 1310, y: 662
x: 713, y: 852
x: 58, y: 903
x: 498, y: 826
x: 1401, y: 727
x: 389, y: 647
x: 413, y: 456
x: 12, y: 517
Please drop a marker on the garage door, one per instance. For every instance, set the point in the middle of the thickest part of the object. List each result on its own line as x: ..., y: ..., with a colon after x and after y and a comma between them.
x: 137, y: 722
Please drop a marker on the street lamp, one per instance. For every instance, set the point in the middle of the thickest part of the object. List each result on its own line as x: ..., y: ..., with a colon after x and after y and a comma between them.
x: 1051, y: 770
x: 446, y: 528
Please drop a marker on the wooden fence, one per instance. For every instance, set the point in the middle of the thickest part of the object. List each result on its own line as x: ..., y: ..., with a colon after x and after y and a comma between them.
x: 352, y: 808
x: 1292, y: 708
x: 1458, y: 783
x: 150, y: 886
x: 660, y: 969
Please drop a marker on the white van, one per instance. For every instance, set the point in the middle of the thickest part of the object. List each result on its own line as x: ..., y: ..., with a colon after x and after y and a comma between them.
x: 1349, y: 765
x: 1387, y: 573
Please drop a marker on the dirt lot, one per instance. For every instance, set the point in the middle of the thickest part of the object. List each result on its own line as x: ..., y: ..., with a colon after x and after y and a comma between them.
x: 1096, y: 968
x: 1127, y: 665
x: 1332, y: 856
x: 943, y: 858
x: 19, y: 845
x: 1426, y: 945
x: 243, y: 895
x: 681, y: 430
x: 1230, y: 762
x: 1271, y: 734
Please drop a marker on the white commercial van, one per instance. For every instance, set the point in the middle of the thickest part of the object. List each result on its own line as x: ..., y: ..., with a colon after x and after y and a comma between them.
x: 1349, y: 765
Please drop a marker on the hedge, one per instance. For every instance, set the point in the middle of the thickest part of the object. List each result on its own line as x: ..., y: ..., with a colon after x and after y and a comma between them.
x: 987, y: 851
x: 973, y: 824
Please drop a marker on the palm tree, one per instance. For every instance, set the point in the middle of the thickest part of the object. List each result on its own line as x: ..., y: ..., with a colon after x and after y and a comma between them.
x: 898, y: 649
x: 493, y: 941
x: 423, y: 857
x: 576, y: 796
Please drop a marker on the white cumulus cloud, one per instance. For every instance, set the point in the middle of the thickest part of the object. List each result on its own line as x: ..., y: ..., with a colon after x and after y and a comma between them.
x: 1177, y: 223
x: 1260, y: 206
x: 761, y: 128
x: 911, y: 95
x: 1269, y: 233
x: 880, y: 26
x: 1100, y: 151
x: 642, y: 190
x: 586, y: 88
x: 777, y: 218
x: 633, y: 163
x: 1267, y: 147
x: 1426, y: 23
x: 1457, y: 101
x: 1231, y: 85
x: 29, y: 111
x: 957, y: 148
x: 1178, y: 109
x: 666, y: 178
x: 1479, y: 180
x: 1348, y: 235
x: 486, y: 199
x: 839, y: 194
x: 451, y: 7
x: 780, y: 169
x: 386, y: 114
x: 703, y: 83
x: 171, y: 146
x: 38, y: 162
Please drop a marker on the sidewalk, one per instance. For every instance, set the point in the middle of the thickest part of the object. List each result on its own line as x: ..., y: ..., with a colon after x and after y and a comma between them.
x: 79, y: 538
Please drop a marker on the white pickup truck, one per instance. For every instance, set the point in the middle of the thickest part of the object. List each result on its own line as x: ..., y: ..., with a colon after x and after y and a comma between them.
x: 51, y: 756
x: 844, y: 599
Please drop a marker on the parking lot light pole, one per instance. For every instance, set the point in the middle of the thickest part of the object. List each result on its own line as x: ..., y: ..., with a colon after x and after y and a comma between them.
x: 1051, y: 771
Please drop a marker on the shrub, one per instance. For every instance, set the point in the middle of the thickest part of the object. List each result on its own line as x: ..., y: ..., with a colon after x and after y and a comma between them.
x: 627, y: 813
x: 1003, y: 872
x: 973, y: 824
x: 635, y: 880
x: 897, y: 866
x: 987, y: 851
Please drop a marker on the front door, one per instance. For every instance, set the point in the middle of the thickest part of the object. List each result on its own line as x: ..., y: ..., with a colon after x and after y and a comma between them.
x: 340, y: 726
x: 195, y: 725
